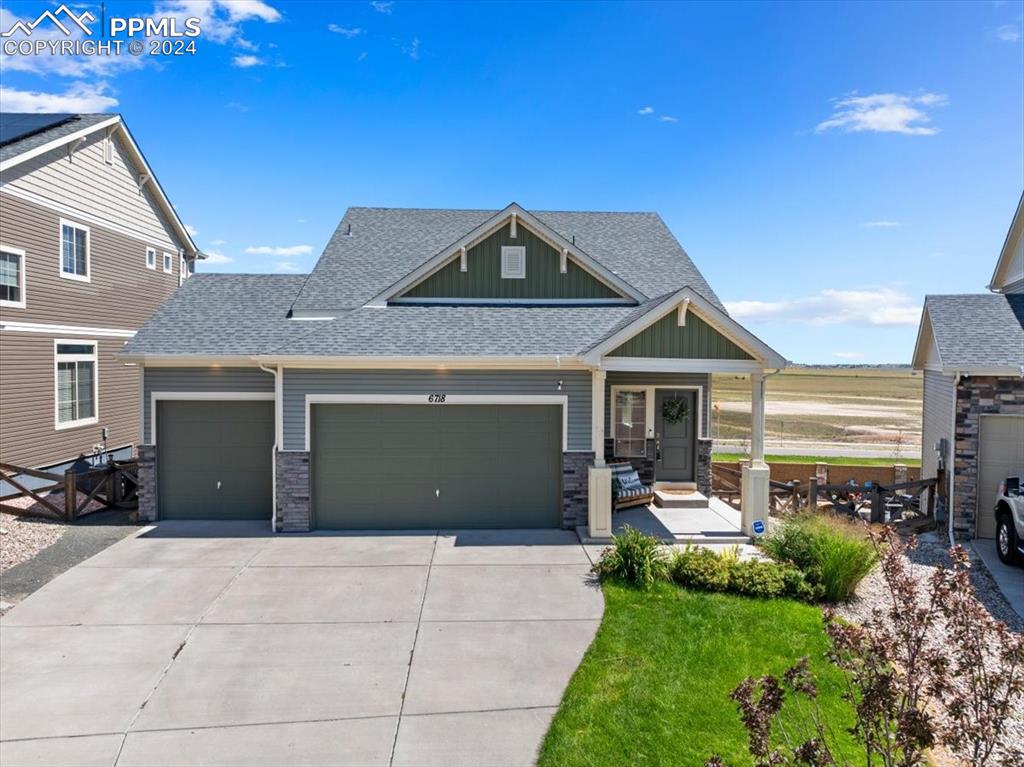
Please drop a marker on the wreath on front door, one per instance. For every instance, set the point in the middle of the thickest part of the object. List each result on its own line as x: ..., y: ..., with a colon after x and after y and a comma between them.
x: 675, y: 410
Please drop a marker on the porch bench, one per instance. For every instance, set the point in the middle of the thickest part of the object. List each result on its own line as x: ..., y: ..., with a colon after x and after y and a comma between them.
x: 623, y: 498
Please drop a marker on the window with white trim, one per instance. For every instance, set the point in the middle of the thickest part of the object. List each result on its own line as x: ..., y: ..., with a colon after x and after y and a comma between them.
x: 75, y: 382
x: 12, y: 278
x: 151, y: 258
x: 74, y: 251
x: 513, y: 262
x: 630, y: 423
x: 168, y: 263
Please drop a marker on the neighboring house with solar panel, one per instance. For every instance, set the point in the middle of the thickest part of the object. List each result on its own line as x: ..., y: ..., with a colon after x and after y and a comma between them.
x: 90, y: 246
x: 971, y: 349
x: 444, y: 369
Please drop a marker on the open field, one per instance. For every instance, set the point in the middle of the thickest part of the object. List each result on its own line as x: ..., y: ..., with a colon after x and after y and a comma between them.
x: 833, y: 460
x: 825, y: 412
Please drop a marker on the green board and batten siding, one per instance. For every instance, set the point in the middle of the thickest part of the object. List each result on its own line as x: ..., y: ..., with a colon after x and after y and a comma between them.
x: 394, y: 467
x: 483, y: 279
x: 694, y: 340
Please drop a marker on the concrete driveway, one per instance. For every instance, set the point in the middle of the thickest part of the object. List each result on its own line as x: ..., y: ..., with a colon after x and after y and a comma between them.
x: 220, y: 644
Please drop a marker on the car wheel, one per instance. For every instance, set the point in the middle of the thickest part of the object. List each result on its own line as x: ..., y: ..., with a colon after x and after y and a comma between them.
x: 1006, y: 540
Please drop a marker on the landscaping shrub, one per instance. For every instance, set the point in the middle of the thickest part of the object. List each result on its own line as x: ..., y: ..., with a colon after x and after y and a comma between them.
x: 700, y: 569
x: 832, y: 553
x: 633, y: 557
x: 705, y: 570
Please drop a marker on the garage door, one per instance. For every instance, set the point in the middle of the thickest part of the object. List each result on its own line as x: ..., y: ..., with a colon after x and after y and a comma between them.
x: 214, y: 459
x: 1000, y: 455
x: 392, y: 467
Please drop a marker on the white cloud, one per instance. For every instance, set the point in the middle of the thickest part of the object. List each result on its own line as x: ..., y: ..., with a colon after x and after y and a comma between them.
x: 192, y: 231
x: 79, y: 97
x: 279, y: 250
x: 413, y: 49
x: 1009, y: 33
x: 382, y: 7
x: 287, y: 266
x: 880, y: 306
x: 668, y: 119
x: 215, y: 243
x: 237, y: 106
x: 245, y: 61
x: 645, y: 111
x: 220, y: 20
x: 216, y: 257
x: 881, y: 224
x: 348, y: 32
x: 884, y: 113
x: 848, y: 355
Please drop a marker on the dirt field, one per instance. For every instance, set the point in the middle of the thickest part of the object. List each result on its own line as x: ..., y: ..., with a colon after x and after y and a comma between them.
x: 811, y: 409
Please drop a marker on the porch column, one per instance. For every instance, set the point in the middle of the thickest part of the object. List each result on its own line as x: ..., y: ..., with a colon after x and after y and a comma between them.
x: 754, y: 485
x: 597, y: 409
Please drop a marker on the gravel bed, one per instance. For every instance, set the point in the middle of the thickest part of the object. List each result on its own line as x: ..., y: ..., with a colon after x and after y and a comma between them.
x: 21, y: 538
x: 931, y: 553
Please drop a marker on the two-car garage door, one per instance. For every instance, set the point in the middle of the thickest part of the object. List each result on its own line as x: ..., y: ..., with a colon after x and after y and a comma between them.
x: 406, y: 466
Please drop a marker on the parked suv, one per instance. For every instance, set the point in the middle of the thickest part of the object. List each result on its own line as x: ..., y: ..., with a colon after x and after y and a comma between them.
x: 1010, y: 520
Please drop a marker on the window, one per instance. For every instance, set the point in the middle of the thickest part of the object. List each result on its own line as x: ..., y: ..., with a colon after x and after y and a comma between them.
x: 12, y: 277
x: 513, y: 262
x: 168, y: 263
x: 74, y: 251
x: 75, y: 376
x: 630, y: 427
x: 151, y: 258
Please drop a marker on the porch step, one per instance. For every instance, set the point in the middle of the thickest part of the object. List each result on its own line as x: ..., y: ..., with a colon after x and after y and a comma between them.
x: 672, y: 498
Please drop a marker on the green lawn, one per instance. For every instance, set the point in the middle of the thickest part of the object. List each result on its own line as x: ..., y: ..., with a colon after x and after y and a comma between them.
x: 835, y: 460
x: 654, y: 686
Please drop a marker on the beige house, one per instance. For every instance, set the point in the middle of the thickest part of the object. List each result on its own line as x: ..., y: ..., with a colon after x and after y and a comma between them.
x: 90, y: 246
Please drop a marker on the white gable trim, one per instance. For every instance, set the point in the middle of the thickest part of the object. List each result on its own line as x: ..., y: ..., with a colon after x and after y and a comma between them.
x: 112, y: 127
x: 489, y: 227
x: 1015, y: 233
x: 926, y: 349
x: 719, y: 320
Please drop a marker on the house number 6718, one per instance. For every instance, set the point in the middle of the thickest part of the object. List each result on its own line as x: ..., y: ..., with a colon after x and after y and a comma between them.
x: 436, y: 399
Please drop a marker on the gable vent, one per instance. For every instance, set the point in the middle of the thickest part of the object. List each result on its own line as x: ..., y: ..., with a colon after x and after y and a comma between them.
x: 513, y: 262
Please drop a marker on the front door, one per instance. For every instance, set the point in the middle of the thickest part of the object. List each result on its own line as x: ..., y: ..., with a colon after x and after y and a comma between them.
x: 675, y: 419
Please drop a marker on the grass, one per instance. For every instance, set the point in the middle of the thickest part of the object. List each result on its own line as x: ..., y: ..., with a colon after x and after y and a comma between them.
x: 832, y: 459
x: 653, y: 688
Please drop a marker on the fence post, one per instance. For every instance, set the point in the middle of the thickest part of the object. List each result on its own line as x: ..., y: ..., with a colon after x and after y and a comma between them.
x: 931, y: 501
x: 812, y: 493
x: 117, y: 478
x: 795, y: 484
x: 70, y: 496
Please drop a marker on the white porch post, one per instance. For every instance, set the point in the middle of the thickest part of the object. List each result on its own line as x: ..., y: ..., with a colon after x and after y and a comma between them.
x: 597, y: 408
x: 754, y: 485
x: 599, y: 477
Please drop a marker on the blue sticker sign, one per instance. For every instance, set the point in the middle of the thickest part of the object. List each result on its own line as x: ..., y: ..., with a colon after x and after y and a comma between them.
x: 758, y: 527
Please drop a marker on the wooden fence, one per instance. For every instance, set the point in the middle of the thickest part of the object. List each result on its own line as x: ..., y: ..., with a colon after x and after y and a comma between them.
x: 115, y: 485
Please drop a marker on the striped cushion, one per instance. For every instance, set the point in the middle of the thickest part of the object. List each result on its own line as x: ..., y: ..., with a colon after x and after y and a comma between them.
x: 633, y: 492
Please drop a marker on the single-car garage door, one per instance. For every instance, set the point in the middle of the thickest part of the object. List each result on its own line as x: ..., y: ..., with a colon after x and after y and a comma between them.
x: 392, y: 467
x: 214, y: 459
x: 1000, y: 455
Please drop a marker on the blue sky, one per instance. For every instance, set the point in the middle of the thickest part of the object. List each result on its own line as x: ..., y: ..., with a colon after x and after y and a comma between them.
x: 825, y: 165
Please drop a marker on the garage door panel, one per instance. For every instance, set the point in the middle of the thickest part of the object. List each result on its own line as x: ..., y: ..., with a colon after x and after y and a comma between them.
x: 1000, y: 455
x: 436, y: 466
x: 214, y: 459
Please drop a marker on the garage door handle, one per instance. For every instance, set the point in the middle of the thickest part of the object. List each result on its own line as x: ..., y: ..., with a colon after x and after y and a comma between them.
x: 218, y: 484
x: 437, y: 492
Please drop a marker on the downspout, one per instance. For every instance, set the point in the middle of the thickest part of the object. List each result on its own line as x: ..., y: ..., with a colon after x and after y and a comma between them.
x: 951, y: 464
x: 276, y: 372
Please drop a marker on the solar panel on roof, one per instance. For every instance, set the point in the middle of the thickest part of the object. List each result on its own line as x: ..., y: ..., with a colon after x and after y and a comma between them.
x: 14, y: 126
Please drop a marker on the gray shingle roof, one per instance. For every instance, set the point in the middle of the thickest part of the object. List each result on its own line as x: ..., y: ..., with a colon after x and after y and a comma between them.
x: 985, y: 330
x: 386, y: 244
x: 458, y: 331
x: 30, y: 142
x: 223, y: 314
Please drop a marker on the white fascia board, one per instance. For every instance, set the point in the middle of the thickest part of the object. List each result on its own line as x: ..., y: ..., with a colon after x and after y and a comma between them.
x: 486, y: 229
x: 719, y: 320
x: 1015, y: 231
x: 540, y: 362
x: 553, y: 302
x: 137, y: 157
x: 919, y: 361
x: 188, y: 360
x: 999, y: 371
x: 75, y: 330
x: 670, y: 365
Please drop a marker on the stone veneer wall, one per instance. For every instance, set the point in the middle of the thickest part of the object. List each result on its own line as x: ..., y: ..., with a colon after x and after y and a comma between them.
x: 704, y: 466
x: 574, y: 488
x: 977, y: 396
x: 293, y: 510
x: 643, y: 464
x: 147, y: 483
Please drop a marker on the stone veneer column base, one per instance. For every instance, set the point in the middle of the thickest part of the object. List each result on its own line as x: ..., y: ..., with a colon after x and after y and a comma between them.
x: 293, y: 511
x: 147, y: 491
x: 574, y: 488
x: 704, y: 466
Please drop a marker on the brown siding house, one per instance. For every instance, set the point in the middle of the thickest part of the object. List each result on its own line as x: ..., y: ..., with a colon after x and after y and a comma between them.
x: 89, y: 248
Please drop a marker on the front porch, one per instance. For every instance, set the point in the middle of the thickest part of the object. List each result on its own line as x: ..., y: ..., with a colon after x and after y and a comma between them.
x: 715, y: 522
